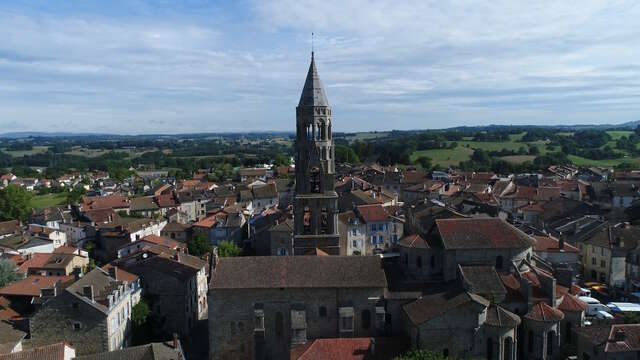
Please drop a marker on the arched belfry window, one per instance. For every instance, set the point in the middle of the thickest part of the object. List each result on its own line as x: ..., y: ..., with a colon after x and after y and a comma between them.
x: 315, y: 180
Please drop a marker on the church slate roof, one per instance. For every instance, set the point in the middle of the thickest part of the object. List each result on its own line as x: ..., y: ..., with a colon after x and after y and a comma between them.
x: 313, y: 91
x: 481, y: 233
x: 268, y: 272
x: 431, y: 306
x: 482, y: 280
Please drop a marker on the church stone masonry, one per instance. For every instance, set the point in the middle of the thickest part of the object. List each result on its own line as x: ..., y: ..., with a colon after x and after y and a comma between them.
x: 316, y: 201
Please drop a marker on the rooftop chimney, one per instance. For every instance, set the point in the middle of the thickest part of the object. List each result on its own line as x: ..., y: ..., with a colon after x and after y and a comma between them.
x: 87, y: 291
x: 175, y: 340
x: 372, y: 348
x: 113, y: 272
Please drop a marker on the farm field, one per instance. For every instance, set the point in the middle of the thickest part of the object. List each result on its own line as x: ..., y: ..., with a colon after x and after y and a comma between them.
x: 20, y: 153
x: 48, y: 200
x: 445, y: 157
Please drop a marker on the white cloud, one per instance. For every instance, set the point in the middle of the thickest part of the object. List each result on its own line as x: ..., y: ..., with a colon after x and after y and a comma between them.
x: 418, y: 63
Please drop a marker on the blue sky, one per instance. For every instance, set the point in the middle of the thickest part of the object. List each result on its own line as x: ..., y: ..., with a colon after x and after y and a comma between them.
x: 210, y: 66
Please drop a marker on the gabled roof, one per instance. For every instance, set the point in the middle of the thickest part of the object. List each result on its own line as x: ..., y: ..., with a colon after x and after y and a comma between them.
x: 481, y: 233
x: 103, y: 285
x: 313, y: 91
x: 545, y: 313
x: 428, y: 307
x: 266, y: 272
x: 265, y: 191
x: 500, y: 317
x: 414, y: 241
x: 143, y: 203
x: 104, y: 202
x: 614, y: 338
x: 572, y: 304
x: 35, y: 260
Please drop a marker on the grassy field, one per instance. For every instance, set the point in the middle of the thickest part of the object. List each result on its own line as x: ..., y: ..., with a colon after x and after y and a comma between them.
x: 20, y: 153
x: 617, y: 134
x: 49, y: 200
x: 445, y: 157
x: 517, y: 159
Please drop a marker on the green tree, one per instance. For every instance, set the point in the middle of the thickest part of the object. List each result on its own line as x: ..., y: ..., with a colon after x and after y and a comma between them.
x: 422, y: 355
x: 281, y: 160
x: 15, y: 203
x: 198, y: 245
x: 8, y: 272
x: 424, y: 161
x: 140, y: 312
x: 228, y: 249
x: 75, y: 195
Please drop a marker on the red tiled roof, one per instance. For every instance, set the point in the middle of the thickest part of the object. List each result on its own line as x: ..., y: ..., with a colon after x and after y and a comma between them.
x: 349, y: 348
x: 572, y: 303
x: 166, y: 200
x: 121, y: 274
x: 549, y: 243
x: 163, y: 241
x: 543, y: 312
x: 104, y: 202
x: 31, y: 285
x: 47, y: 352
x: 35, y: 260
x: 6, y: 312
x: 66, y: 249
x: 373, y: 213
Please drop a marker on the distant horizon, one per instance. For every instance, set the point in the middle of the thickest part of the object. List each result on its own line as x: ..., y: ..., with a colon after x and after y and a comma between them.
x: 150, y: 66
x: 628, y: 125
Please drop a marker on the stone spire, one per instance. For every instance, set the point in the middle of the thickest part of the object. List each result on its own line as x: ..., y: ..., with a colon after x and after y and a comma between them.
x: 313, y: 92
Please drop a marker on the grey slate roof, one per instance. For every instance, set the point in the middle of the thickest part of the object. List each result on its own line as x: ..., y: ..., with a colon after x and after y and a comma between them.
x: 431, y: 306
x: 313, y: 91
x: 482, y: 280
x: 499, y: 317
x: 267, y: 272
x: 102, y: 284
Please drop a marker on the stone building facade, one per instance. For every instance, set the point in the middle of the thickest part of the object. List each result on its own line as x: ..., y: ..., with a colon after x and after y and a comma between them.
x: 260, y: 307
x: 94, y: 313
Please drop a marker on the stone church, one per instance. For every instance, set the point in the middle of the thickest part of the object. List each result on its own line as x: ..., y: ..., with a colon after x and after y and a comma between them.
x: 316, y: 201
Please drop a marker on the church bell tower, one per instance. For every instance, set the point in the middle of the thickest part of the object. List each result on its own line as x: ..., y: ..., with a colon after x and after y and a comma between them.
x: 316, y: 201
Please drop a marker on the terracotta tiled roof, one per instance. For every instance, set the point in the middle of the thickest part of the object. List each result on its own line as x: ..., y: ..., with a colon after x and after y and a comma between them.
x: 373, y: 213
x: 572, y: 303
x: 31, y: 285
x: 104, y: 202
x: 121, y: 274
x: 47, y: 352
x: 35, y: 260
x: 163, y: 241
x: 481, y: 233
x: 6, y: 312
x: 349, y: 349
x: 543, y: 312
x: 549, y: 243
